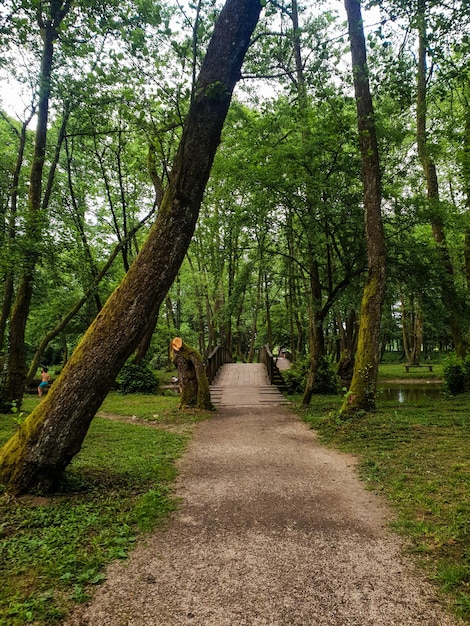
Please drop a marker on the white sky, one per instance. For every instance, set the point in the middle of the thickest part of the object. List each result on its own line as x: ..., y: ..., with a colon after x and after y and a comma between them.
x: 14, y: 103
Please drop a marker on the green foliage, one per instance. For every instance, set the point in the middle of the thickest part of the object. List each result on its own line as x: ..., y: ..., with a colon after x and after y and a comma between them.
x: 137, y: 378
x: 53, y: 550
x: 296, y: 376
x: 456, y: 375
x: 326, y: 379
x: 417, y: 455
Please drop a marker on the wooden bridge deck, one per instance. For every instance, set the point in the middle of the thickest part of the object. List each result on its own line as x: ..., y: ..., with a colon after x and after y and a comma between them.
x: 244, y: 384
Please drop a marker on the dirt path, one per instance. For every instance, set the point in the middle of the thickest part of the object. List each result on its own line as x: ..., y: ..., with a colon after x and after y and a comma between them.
x: 273, y: 530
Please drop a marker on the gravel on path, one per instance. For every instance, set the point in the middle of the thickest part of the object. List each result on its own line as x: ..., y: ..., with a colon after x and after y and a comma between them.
x: 273, y: 530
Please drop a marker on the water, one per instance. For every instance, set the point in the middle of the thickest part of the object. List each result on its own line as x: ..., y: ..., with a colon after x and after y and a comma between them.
x: 403, y: 393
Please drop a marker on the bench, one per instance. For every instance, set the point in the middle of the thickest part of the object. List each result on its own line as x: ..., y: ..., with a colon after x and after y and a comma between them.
x: 407, y: 367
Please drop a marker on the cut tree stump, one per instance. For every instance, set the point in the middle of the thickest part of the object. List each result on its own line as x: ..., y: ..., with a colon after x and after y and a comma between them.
x: 193, y: 381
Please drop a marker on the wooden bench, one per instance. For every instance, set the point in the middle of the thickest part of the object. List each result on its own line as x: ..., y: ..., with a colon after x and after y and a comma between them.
x: 407, y: 367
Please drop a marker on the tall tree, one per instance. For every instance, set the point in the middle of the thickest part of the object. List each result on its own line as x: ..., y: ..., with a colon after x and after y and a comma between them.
x: 49, y: 438
x: 450, y: 296
x: 364, y: 382
x: 49, y: 21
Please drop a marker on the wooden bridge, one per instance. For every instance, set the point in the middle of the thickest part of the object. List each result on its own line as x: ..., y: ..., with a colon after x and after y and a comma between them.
x: 248, y: 384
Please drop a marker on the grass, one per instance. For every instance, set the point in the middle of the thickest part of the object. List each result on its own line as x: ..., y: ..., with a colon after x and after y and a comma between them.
x: 417, y: 455
x: 53, y: 549
x: 396, y: 371
x: 163, y: 411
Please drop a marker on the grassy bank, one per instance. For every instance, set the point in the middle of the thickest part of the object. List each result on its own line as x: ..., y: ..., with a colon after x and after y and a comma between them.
x: 53, y: 549
x: 418, y: 456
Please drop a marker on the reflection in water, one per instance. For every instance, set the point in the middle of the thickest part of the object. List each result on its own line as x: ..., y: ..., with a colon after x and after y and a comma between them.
x: 410, y: 393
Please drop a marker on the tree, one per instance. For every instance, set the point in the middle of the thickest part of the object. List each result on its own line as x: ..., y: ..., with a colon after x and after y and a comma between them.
x: 49, y: 23
x: 52, y: 434
x: 450, y: 295
x: 364, y: 382
x: 75, y: 42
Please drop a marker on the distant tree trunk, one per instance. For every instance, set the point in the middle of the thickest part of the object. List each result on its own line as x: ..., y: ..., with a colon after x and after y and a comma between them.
x: 78, y: 216
x: 15, y: 379
x: 451, y: 299
x: 194, y: 384
x: 348, y: 332
x: 317, y: 338
x: 364, y: 382
x: 412, y: 329
x: 53, y: 433
x: 254, y: 326
x: 418, y: 334
x: 144, y: 345
x: 267, y: 302
x: 8, y: 291
x: 466, y: 182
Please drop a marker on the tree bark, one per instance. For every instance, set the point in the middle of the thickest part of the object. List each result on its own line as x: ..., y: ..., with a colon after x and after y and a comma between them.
x: 8, y: 292
x: 13, y: 388
x: 50, y: 437
x: 362, y: 392
x: 194, y: 384
x: 450, y: 297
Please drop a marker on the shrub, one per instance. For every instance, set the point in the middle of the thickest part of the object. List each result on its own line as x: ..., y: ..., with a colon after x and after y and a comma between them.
x: 326, y: 379
x: 137, y: 378
x: 296, y: 376
x: 456, y: 375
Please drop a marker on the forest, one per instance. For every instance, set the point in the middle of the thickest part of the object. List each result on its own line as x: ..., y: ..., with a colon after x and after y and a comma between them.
x: 116, y: 121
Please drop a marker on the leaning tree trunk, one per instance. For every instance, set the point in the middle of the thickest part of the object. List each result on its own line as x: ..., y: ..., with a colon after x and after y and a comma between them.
x: 193, y: 381
x: 50, y: 437
x: 362, y: 391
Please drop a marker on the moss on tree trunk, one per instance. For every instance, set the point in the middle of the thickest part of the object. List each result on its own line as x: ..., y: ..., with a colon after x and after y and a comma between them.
x: 361, y: 396
x: 53, y: 433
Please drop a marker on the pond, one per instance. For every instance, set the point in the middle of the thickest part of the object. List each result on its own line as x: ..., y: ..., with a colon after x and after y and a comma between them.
x: 409, y: 392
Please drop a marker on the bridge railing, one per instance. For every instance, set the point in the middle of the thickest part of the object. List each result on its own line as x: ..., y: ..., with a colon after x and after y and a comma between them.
x: 265, y: 356
x: 218, y: 357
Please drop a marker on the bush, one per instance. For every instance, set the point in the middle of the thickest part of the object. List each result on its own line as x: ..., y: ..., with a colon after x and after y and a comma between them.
x: 296, y: 376
x: 134, y: 378
x: 326, y: 379
x: 456, y: 375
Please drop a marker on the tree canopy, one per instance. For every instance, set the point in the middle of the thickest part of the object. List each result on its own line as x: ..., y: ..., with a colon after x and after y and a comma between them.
x: 92, y: 155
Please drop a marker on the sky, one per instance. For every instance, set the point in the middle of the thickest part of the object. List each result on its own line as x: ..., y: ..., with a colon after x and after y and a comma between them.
x: 15, y: 105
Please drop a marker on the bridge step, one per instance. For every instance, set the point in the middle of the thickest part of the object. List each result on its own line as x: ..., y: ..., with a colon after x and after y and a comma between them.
x: 245, y: 384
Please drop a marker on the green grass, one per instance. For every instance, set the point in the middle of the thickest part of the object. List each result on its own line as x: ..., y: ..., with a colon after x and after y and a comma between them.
x: 157, y: 409
x: 418, y: 456
x: 53, y: 549
x: 396, y: 371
